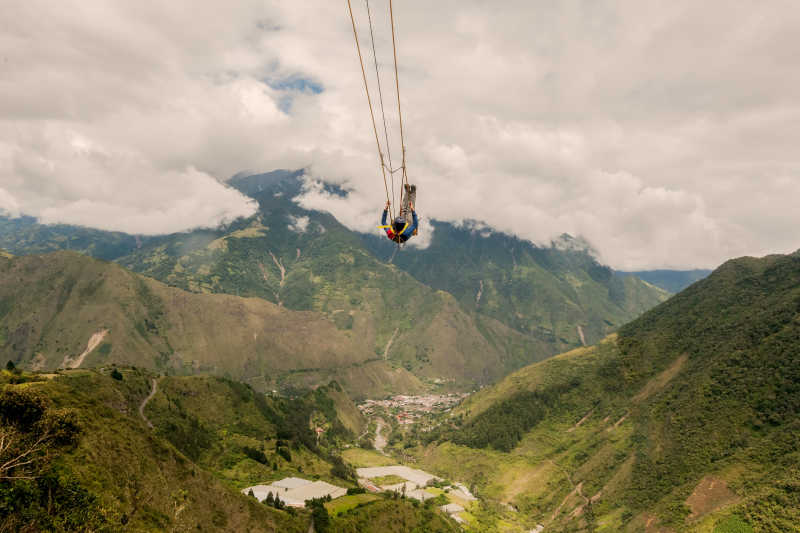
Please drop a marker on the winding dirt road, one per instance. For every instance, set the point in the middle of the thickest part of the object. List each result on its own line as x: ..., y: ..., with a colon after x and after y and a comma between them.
x: 144, y: 402
x: 380, y: 440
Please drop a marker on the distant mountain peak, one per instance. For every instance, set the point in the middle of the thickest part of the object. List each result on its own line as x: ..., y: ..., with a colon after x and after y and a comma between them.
x: 567, y: 243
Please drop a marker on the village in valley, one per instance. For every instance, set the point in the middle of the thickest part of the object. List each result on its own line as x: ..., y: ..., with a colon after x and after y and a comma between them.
x: 378, y: 472
x: 412, y: 409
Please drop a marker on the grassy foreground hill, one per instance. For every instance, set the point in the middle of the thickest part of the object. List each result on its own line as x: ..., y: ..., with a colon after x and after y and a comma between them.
x: 121, y: 449
x: 688, y: 420
x: 100, y: 468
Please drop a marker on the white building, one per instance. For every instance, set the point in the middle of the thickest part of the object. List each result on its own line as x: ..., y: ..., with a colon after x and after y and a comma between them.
x: 295, y: 491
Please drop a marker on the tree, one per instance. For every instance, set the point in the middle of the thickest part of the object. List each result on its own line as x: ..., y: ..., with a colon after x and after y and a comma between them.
x: 251, y: 494
x: 270, y: 499
x: 319, y: 514
x: 340, y: 469
x: 30, y: 431
x: 10, y: 366
x: 116, y: 374
x: 284, y: 452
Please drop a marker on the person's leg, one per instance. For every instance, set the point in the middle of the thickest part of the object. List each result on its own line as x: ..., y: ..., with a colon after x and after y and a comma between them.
x: 404, y: 203
x: 412, y: 200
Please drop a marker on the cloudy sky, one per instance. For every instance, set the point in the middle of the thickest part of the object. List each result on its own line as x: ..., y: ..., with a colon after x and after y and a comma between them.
x: 665, y: 133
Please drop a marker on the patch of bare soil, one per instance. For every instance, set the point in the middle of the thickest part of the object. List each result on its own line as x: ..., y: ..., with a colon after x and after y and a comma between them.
x: 709, y: 495
x: 38, y: 363
x: 618, y: 422
x: 94, y: 342
x: 653, y: 525
x: 389, y: 344
x: 580, y: 422
x: 581, y: 335
x: 658, y: 382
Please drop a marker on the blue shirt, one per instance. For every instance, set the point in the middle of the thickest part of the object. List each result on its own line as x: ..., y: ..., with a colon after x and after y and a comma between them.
x: 406, y: 234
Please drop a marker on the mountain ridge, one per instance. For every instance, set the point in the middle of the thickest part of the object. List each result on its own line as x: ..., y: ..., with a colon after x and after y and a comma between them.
x: 633, y: 433
x: 426, y: 331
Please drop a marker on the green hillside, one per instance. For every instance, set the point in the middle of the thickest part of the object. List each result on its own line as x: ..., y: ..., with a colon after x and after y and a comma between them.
x: 98, y: 467
x: 535, y: 303
x: 121, y: 449
x: 25, y: 236
x: 318, y: 264
x: 545, y: 293
x: 65, y: 310
x: 685, y: 421
x: 392, y: 332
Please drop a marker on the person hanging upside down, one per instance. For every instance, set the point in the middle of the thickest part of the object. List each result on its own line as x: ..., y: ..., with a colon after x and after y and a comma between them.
x: 400, y: 230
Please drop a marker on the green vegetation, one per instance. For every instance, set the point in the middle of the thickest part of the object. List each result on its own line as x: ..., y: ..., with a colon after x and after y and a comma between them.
x: 33, y: 493
x: 387, y: 480
x: 706, y: 384
x: 98, y: 467
x: 375, y: 328
x: 398, y: 515
x: 24, y: 236
x: 503, y: 424
x: 359, y: 457
x: 733, y: 524
x: 247, y: 437
x: 544, y: 293
x: 50, y: 312
x: 346, y: 503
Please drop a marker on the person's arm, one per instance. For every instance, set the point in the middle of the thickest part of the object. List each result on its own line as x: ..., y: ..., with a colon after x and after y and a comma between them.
x: 410, y: 230
x: 388, y: 230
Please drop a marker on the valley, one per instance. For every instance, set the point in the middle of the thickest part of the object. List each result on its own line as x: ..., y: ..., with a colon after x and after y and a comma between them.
x: 532, y: 388
x: 316, y: 290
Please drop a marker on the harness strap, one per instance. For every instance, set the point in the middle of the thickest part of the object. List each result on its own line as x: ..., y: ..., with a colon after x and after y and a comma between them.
x: 398, y: 232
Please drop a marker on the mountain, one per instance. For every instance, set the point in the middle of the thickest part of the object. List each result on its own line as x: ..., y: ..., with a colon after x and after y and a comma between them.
x: 420, y: 317
x: 66, y: 310
x: 673, y: 281
x: 559, y: 295
x: 535, y: 303
x: 686, y: 420
x: 24, y: 235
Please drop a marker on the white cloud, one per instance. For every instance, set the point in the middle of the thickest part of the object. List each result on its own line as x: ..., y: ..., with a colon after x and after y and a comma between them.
x: 664, y: 133
x: 298, y: 224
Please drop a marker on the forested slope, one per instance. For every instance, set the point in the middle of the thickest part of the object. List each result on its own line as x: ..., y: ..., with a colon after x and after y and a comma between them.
x: 559, y: 294
x: 98, y: 467
x: 687, y: 420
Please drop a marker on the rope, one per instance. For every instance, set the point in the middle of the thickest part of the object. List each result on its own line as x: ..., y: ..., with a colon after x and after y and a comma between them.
x: 369, y: 101
x: 380, y: 96
x: 397, y: 86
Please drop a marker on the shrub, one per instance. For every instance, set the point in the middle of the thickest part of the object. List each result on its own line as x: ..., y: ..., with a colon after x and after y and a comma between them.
x: 255, y: 454
x: 284, y: 452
